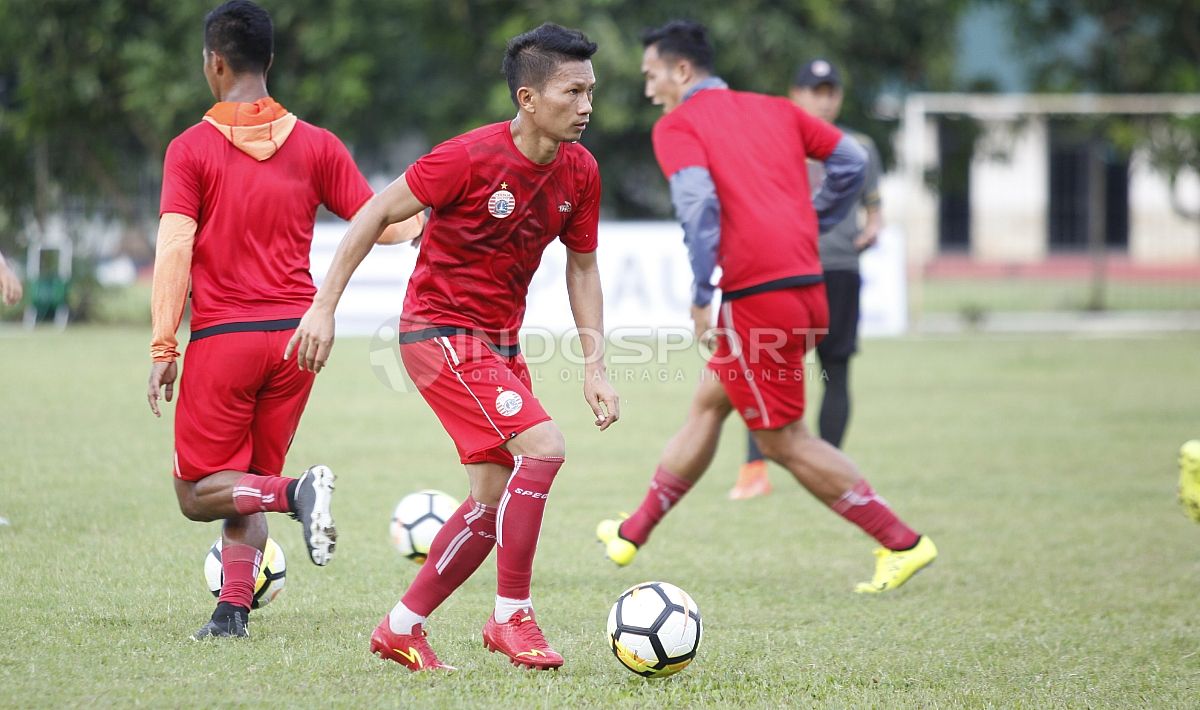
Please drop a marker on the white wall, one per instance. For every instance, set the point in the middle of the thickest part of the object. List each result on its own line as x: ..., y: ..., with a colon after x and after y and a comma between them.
x: 1010, y: 192
x: 643, y: 266
x: 1010, y: 176
x: 1157, y: 233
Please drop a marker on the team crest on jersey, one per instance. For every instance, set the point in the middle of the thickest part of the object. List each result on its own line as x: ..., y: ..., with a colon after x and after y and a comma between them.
x: 502, y: 203
x: 508, y: 403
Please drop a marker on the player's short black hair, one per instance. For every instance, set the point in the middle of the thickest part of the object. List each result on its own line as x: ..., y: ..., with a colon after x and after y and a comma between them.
x: 242, y: 33
x: 532, y: 58
x: 682, y: 39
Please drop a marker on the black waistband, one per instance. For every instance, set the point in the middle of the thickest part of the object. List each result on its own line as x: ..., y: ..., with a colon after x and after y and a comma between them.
x: 441, y: 331
x: 776, y: 285
x: 264, y: 326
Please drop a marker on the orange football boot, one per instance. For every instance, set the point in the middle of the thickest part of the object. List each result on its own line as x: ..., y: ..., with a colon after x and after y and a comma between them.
x: 752, y: 481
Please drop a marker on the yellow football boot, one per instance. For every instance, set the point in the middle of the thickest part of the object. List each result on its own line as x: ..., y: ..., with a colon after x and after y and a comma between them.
x: 617, y: 548
x: 1189, y: 478
x: 894, y: 567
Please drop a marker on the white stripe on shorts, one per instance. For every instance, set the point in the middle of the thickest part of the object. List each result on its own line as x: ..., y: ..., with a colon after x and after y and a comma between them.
x: 762, y: 408
x: 452, y: 362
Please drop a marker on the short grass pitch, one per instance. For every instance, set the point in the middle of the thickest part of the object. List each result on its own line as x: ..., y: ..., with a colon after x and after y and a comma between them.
x: 1044, y: 468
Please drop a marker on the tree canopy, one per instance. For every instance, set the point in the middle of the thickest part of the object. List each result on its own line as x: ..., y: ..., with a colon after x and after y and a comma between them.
x: 1107, y: 46
x: 92, y: 91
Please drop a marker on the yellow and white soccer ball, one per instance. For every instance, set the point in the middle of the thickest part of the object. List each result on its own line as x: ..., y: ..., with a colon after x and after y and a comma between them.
x: 271, y: 574
x: 654, y: 629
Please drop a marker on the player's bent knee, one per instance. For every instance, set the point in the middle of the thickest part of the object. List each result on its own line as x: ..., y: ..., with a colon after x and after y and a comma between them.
x: 190, y: 504
x: 777, y: 445
x: 185, y: 495
x: 712, y: 399
x: 192, y: 511
x: 543, y: 440
x: 770, y: 447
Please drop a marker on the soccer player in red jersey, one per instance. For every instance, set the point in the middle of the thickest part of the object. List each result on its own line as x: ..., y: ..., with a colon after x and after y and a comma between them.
x: 240, y: 194
x: 817, y: 88
x: 500, y: 194
x: 736, y: 166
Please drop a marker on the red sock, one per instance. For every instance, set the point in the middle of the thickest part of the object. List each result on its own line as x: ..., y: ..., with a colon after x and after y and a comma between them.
x: 239, y: 570
x: 861, y: 506
x: 519, y: 521
x: 261, y: 494
x: 665, y: 491
x: 458, y: 549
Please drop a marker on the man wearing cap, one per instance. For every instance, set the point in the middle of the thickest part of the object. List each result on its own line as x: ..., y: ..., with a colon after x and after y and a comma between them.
x: 817, y: 88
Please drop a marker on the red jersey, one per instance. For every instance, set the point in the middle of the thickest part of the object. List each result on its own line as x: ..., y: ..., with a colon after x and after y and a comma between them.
x: 494, y: 213
x: 255, y: 219
x: 754, y: 147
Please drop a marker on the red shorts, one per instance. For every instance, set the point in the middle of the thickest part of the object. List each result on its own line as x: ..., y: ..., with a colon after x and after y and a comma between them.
x: 482, y: 398
x: 239, y: 404
x: 761, y: 345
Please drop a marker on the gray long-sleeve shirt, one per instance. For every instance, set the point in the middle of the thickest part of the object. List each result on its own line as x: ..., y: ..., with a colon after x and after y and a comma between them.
x: 838, y: 252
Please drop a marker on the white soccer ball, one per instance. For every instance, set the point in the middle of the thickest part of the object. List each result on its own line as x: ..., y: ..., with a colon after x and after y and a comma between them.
x: 271, y: 574
x: 416, y: 521
x: 654, y: 629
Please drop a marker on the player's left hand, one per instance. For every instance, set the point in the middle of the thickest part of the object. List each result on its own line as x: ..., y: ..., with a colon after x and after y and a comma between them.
x: 162, y: 375
x: 602, y: 398
x: 313, y: 340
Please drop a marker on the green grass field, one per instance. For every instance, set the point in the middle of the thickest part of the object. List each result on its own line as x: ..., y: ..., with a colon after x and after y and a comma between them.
x: 1044, y: 468
x: 984, y: 295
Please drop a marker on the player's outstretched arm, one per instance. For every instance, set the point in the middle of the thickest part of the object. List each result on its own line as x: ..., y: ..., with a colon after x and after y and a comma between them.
x: 587, y: 306
x: 313, y: 339
x: 168, y: 294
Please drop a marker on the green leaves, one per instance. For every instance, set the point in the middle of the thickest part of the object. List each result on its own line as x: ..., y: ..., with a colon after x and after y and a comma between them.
x: 108, y: 83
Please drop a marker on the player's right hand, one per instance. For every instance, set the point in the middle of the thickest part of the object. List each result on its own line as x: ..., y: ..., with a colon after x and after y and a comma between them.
x: 603, y: 399
x: 162, y: 374
x: 702, y: 324
x: 313, y: 340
